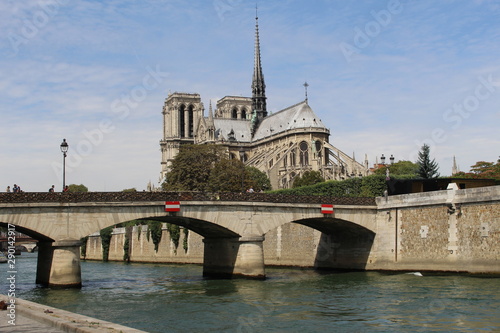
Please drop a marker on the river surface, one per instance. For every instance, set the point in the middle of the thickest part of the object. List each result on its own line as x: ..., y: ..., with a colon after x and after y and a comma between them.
x: 176, y: 298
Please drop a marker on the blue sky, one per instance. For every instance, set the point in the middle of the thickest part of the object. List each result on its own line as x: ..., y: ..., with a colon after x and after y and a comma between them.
x: 384, y: 76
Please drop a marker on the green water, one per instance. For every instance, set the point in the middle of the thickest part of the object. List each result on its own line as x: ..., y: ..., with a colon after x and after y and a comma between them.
x: 175, y: 298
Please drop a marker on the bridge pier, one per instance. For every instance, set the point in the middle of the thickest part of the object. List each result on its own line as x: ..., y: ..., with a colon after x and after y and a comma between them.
x: 229, y: 257
x: 59, y: 264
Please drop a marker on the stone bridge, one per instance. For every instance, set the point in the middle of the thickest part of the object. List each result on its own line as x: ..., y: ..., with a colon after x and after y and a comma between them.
x: 20, y: 240
x: 362, y: 233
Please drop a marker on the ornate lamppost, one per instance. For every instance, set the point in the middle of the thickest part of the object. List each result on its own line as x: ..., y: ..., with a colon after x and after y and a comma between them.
x: 64, y: 150
x: 382, y: 159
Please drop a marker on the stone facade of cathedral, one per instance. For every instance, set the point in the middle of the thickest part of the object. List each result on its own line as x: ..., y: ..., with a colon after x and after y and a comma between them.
x: 284, y: 145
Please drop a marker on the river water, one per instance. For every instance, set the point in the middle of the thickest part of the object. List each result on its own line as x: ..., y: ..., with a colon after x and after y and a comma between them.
x: 176, y: 298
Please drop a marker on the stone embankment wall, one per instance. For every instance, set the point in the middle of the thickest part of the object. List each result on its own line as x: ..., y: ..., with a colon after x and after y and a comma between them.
x: 449, y: 230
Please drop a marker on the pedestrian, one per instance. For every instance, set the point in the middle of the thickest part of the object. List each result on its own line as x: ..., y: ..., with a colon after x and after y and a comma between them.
x: 15, y: 188
x: 66, y: 188
x: 51, y: 189
x: 8, y: 189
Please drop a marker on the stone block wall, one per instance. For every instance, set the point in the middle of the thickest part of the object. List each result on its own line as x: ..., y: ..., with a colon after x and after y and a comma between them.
x: 423, y: 233
x: 291, y: 244
x: 460, y: 238
x: 142, y: 249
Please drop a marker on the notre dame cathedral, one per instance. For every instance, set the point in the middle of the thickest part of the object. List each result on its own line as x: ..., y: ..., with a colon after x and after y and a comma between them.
x: 283, y: 145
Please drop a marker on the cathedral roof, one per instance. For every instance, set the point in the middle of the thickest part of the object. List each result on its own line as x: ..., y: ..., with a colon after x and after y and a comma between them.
x: 224, y: 126
x: 296, y: 116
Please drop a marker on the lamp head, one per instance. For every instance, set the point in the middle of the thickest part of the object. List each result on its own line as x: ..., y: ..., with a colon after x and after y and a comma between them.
x: 64, y: 146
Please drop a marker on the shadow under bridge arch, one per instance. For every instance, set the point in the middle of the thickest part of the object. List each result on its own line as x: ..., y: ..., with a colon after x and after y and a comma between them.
x: 342, y: 244
x: 226, y: 253
x: 204, y: 228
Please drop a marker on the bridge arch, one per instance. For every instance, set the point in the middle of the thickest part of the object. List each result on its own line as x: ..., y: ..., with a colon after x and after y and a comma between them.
x: 204, y: 228
x: 28, y: 232
x: 334, y: 243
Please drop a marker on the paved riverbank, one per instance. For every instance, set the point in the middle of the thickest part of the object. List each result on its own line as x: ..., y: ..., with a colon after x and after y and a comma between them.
x: 34, y: 317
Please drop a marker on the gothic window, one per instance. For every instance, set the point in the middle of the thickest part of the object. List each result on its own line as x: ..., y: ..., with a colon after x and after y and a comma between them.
x: 304, y: 153
x: 244, y: 114
x: 182, y: 121
x: 271, y: 163
x: 232, y: 156
x: 292, y: 157
x: 191, y: 121
x: 243, y: 157
x: 234, y: 114
x: 285, y: 160
x: 317, y: 143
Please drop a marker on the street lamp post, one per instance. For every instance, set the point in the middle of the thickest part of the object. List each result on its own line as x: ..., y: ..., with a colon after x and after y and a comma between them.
x: 64, y: 150
x: 382, y: 158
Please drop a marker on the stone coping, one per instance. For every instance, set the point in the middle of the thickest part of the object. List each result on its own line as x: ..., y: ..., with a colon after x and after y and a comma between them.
x: 443, y: 197
x: 65, y: 320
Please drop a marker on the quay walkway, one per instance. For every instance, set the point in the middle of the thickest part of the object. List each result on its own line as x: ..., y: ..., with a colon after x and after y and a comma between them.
x: 37, y: 318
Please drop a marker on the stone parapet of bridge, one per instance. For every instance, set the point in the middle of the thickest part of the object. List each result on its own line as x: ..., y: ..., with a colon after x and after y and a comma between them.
x: 68, y: 197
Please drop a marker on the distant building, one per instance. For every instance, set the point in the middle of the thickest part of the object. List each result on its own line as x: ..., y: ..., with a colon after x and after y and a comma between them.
x: 283, y: 145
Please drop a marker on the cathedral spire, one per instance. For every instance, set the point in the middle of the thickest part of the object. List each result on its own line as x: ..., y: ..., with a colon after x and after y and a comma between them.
x: 454, y: 169
x: 258, y: 85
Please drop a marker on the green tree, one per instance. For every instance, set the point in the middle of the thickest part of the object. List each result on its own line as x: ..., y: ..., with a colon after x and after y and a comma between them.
x: 258, y: 179
x: 133, y: 189
x: 308, y: 178
x: 207, y: 168
x: 191, y: 167
x: 228, y: 176
x: 427, y: 169
x: 482, y: 169
x: 400, y: 169
x: 77, y: 188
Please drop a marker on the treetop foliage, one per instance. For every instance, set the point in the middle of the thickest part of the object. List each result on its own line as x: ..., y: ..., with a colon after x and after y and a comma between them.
x: 229, y: 176
x: 482, y: 170
x: 191, y: 167
x: 400, y: 169
x: 207, y: 168
x: 308, y: 178
x: 77, y: 188
x: 427, y: 169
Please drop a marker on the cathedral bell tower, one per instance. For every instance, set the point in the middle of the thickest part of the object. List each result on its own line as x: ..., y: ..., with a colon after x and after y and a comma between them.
x: 181, y: 114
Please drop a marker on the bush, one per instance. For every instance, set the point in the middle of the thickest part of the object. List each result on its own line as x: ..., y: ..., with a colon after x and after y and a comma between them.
x: 369, y: 186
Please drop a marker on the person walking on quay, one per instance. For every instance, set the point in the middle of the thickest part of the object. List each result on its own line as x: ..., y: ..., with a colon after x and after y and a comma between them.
x: 16, y: 188
x: 8, y: 189
x: 51, y: 189
x: 66, y: 189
